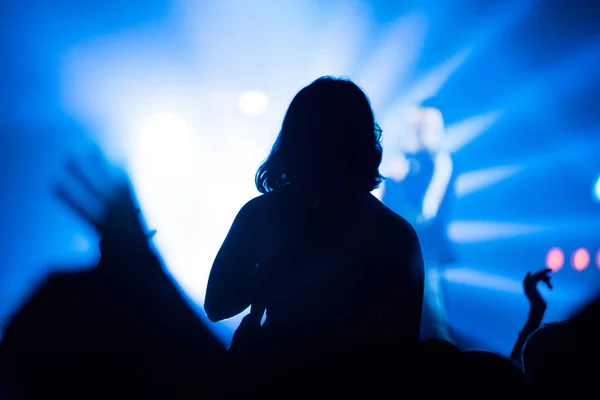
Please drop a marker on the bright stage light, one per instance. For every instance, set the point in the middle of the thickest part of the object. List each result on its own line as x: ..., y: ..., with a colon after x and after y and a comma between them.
x: 164, y: 145
x: 162, y: 165
x: 555, y: 259
x: 596, y: 190
x: 580, y: 259
x: 190, y: 189
x: 163, y: 128
x: 253, y: 103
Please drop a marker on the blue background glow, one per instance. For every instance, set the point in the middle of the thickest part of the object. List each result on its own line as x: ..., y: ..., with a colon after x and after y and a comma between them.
x: 159, y: 87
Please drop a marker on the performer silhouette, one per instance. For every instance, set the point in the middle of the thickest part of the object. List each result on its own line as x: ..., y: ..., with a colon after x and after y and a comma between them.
x: 419, y: 187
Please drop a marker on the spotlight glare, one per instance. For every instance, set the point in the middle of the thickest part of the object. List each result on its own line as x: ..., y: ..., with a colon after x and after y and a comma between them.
x: 165, y: 123
x: 598, y: 258
x: 596, y: 190
x: 164, y: 142
x: 580, y: 259
x: 253, y: 103
x: 555, y: 259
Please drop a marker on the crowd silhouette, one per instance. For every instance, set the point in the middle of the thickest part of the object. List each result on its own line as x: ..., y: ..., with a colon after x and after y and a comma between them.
x: 339, y: 276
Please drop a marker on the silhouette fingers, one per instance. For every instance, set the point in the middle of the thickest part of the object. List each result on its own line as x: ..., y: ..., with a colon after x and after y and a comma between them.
x: 101, y: 165
x: 123, y: 203
x: 70, y: 202
x: 541, y: 275
x: 87, y: 184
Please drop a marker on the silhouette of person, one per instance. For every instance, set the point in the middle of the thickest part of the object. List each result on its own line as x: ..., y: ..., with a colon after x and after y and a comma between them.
x: 120, y: 329
x: 560, y: 358
x: 327, y: 260
x: 419, y: 188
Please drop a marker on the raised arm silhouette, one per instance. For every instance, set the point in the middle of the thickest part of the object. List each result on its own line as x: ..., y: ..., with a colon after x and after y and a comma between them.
x: 327, y: 260
x: 121, y: 329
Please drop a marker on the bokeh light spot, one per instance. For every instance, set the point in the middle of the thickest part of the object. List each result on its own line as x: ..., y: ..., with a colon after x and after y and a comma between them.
x: 580, y: 259
x: 596, y: 190
x: 555, y: 259
x: 81, y: 244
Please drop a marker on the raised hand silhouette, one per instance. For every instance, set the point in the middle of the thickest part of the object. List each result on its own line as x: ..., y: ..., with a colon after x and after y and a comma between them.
x: 537, y: 309
x: 120, y: 226
x: 122, y: 327
x: 536, y: 301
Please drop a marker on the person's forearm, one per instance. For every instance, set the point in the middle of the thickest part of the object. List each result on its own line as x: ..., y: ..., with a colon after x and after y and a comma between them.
x: 227, y: 296
x: 534, y: 320
x: 229, y: 289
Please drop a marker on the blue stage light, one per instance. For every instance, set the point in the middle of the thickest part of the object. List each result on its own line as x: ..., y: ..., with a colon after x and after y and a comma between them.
x: 596, y: 190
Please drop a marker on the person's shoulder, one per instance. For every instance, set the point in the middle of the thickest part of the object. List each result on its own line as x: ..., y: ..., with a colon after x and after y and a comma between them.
x: 397, y: 245
x: 265, y: 201
x: 256, y: 205
x: 390, y: 222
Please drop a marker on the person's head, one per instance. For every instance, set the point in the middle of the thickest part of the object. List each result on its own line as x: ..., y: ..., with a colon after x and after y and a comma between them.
x: 556, y: 356
x: 328, y: 138
x: 437, y: 361
x: 427, y: 125
x: 439, y: 347
x: 485, y: 373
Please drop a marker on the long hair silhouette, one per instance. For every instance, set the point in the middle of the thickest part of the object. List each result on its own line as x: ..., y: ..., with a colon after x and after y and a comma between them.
x: 328, y: 137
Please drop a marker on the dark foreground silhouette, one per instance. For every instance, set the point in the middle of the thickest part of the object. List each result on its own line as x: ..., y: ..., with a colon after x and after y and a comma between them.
x: 338, y: 273
x: 121, y: 329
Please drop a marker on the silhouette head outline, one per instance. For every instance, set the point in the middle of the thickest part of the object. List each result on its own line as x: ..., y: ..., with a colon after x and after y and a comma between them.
x: 328, y: 138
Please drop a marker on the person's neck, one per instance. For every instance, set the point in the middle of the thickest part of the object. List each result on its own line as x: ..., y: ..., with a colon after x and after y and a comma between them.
x: 321, y: 195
